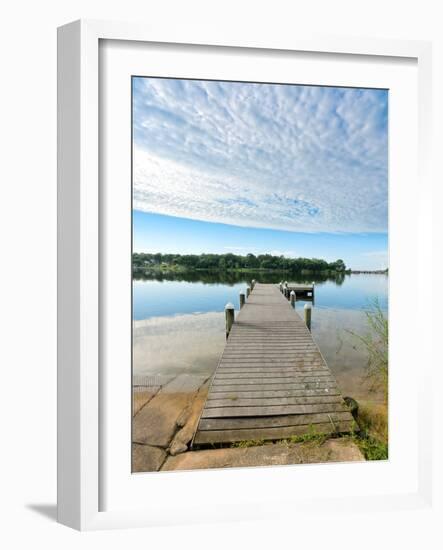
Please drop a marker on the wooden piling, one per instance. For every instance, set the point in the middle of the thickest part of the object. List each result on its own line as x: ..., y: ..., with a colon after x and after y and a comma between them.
x: 242, y: 299
x: 308, y: 314
x: 248, y: 292
x: 229, y: 316
x: 292, y: 297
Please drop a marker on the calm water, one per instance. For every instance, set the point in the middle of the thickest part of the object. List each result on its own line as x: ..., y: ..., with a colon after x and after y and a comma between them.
x: 179, y: 322
x: 175, y: 294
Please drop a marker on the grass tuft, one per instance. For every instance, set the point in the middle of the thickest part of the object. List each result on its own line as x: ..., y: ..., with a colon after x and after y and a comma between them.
x: 312, y: 436
x: 375, y: 341
x: 372, y: 448
x: 247, y: 443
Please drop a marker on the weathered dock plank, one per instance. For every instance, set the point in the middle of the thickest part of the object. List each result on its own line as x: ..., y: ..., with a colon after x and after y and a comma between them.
x: 272, y: 381
x: 234, y: 411
x: 272, y: 421
x: 264, y: 402
x: 272, y: 386
x: 270, y: 393
x: 271, y: 433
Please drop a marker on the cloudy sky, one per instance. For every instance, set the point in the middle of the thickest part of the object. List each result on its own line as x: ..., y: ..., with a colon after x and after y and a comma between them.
x: 297, y: 170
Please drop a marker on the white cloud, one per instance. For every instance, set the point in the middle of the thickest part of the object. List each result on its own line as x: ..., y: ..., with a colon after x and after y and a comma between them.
x: 284, y: 157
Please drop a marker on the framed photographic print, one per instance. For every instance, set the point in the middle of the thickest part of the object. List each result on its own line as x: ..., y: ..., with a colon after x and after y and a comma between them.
x: 232, y: 220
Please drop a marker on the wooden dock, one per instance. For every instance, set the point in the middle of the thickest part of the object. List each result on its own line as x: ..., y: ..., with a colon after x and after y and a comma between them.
x: 272, y: 381
x: 304, y: 291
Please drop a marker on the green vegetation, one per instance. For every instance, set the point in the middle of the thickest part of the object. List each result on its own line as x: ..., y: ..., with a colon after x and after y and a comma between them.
x: 373, y: 420
x: 232, y: 262
x: 312, y: 436
x: 372, y: 448
x: 373, y: 417
x: 247, y: 443
x: 376, y: 344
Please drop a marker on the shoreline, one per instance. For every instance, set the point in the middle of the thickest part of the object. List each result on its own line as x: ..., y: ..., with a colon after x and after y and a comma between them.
x: 170, y: 388
x: 329, y: 273
x: 201, y: 340
x: 164, y: 422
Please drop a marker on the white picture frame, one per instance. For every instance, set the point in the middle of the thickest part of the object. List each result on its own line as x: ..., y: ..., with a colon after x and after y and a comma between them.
x: 80, y: 369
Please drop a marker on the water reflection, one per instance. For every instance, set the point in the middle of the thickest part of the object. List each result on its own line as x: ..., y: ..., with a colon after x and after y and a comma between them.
x: 161, y: 294
x: 179, y: 321
x: 234, y: 277
x: 192, y: 344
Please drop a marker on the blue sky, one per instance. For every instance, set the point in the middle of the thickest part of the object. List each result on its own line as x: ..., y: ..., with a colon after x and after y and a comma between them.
x: 239, y: 167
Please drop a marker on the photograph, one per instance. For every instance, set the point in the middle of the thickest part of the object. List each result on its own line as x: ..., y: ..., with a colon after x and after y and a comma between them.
x: 260, y: 274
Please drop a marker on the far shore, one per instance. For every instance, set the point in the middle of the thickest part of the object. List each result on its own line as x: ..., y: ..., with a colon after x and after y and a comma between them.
x: 366, y: 272
x: 180, y: 269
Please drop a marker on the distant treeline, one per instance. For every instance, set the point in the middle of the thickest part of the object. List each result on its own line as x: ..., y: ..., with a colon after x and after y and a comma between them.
x: 234, y: 262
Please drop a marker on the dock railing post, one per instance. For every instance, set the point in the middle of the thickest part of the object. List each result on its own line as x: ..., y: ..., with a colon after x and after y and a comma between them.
x: 242, y: 299
x: 248, y: 291
x: 292, y: 296
x: 229, y: 316
x: 308, y: 313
